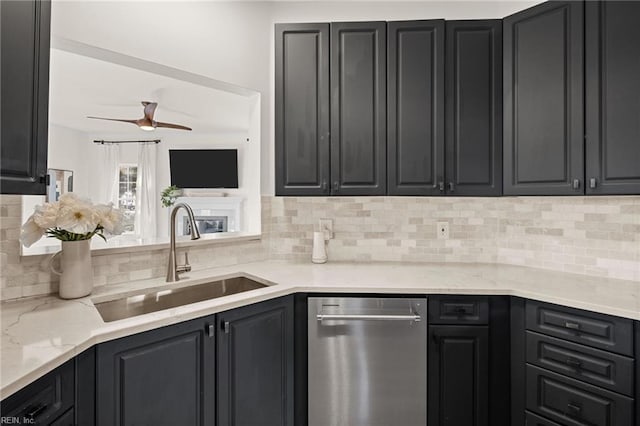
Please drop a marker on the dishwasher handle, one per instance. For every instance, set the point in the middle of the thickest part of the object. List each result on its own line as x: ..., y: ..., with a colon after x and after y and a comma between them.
x: 347, y: 317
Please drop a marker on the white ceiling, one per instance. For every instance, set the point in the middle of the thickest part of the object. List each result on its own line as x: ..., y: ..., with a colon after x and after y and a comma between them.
x: 81, y: 86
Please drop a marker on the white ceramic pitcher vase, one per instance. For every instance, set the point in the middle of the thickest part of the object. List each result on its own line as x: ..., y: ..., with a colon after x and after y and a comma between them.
x: 76, y: 273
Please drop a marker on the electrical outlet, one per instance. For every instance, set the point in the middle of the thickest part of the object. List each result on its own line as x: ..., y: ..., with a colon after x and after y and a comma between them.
x: 443, y: 230
x: 326, y: 226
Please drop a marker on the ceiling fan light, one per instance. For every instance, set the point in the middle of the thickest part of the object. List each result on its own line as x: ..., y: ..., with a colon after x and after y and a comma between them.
x: 148, y: 128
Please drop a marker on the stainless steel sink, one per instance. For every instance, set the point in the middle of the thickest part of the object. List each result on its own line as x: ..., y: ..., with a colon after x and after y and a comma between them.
x: 145, y: 303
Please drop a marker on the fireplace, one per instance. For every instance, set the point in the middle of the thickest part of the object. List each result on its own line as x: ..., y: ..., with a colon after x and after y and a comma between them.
x: 206, y: 224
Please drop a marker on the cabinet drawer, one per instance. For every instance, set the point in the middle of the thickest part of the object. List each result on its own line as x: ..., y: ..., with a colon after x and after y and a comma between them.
x: 600, y: 368
x: 535, y: 420
x: 574, y: 403
x: 45, y: 399
x: 588, y: 328
x: 458, y: 310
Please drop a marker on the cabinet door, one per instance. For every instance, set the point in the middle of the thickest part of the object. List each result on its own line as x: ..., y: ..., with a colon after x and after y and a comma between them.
x: 358, y: 108
x: 474, y: 108
x: 543, y: 100
x: 24, y: 95
x: 415, y: 112
x: 458, y: 375
x: 161, y: 377
x: 255, y: 364
x: 302, y: 109
x: 613, y: 97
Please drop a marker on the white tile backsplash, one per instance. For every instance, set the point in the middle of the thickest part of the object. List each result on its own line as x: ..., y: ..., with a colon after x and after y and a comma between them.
x: 598, y: 236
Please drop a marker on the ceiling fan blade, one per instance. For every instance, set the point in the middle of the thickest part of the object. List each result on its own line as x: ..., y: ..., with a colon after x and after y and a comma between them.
x: 149, y: 109
x: 115, y: 119
x: 172, y: 126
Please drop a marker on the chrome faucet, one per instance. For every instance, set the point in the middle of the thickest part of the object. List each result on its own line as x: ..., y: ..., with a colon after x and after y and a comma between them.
x: 173, y: 269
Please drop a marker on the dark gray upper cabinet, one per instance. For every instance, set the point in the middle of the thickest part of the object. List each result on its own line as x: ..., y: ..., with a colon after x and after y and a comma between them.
x: 24, y: 95
x: 612, y: 97
x: 255, y: 364
x: 358, y: 108
x: 415, y: 108
x: 474, y: 107
x: 160, y: 377
x: 543, y: 100
x: 302, y: 109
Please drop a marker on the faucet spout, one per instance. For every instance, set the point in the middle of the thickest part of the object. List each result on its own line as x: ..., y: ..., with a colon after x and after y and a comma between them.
x: 173, y: 269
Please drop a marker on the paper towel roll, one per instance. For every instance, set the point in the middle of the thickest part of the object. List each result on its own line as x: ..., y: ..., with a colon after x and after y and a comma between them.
x: 319, y: 254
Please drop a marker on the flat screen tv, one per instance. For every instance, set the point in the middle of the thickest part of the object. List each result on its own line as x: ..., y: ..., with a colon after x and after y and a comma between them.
x: 204, y: 168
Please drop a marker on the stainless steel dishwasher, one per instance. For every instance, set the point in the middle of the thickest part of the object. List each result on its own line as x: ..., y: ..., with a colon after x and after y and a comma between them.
x: 367, y: 361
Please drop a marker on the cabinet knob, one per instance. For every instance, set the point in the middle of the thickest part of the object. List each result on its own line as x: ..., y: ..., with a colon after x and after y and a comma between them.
x: 576, y: 184
x: 573, y: 363
x: 572, y: 325
x: 211, y: 330
x: 460, y: 310
x: 46, y: 179
x: 441, y: 186
x: 452, y: 187
x: 34, y: 411
x: 336, y: 186
x: 593, y: 182
x: 324, y: 184
x: 574, y: 408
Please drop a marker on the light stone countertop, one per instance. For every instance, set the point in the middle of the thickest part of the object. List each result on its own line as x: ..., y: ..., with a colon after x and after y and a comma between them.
x: 40, y: 334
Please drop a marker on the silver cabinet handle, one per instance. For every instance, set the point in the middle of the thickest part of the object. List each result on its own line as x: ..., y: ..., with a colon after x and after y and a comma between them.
x: 324, y: 317
x: 576, y: 184
x: 572, y: 325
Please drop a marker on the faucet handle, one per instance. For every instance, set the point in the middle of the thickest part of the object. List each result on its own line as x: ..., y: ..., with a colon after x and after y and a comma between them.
x: 186, y: 267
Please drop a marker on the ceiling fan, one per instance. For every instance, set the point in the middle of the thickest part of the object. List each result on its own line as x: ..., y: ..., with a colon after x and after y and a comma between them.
x: 147, y: 122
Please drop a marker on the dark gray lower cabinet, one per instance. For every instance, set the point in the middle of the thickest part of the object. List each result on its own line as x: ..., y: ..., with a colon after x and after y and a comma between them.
x: 62, y: 397
x: 458, y: 384
x: 44, y: 401
x: 160, y: 377
x: 543, y: 100
x: 572, y: 367
x: 256, y: 365
x: 24, y: 95
x: 572, y: 402
x: 612, y: 38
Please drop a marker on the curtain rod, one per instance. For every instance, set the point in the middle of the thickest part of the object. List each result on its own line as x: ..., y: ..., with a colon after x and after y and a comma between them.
x: 102, y: 142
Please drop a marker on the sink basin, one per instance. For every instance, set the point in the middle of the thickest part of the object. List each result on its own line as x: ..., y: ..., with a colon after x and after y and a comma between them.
x: 145, y: 303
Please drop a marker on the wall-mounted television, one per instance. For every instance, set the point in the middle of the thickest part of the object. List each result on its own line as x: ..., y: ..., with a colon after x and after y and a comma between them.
x: 204, y: 168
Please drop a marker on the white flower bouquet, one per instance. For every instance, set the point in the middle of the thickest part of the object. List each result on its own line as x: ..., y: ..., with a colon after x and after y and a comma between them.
x: 72, y: 218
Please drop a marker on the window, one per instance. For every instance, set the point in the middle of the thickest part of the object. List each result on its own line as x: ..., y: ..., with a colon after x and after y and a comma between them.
x: 127, y: 194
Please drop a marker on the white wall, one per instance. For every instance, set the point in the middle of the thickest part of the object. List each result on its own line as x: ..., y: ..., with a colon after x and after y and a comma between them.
x: 68, y: 150
x: 233, y: 41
